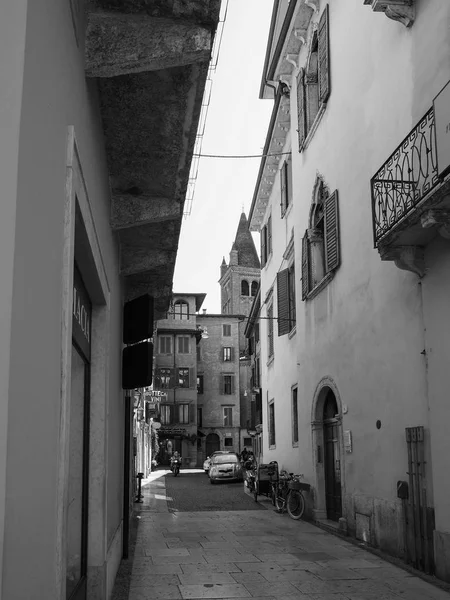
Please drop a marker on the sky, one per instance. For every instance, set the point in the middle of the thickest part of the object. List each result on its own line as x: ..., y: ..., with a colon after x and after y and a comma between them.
x: 237, y: 123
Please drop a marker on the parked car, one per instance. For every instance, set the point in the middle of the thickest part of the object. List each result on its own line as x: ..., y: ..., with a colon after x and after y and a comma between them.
x: 207, y: 462
x: 225, y: 467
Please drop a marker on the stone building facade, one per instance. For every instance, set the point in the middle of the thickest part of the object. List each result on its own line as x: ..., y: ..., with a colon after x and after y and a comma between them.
x: 351, y: 203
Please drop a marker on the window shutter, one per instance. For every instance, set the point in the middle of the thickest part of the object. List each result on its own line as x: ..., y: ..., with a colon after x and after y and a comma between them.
x: 331, y: 228
x: 324, y: 57
x: 192, y: 378
x: 231, y: 354
x: 283, y: 301
x: 269, y: 236
x: 263, y: 246
x: 283, y: 202
x: 192, y: 413
x: 232, y: 384
x: 305, y: 265
x: 222, y: 385
x: 301, y: 112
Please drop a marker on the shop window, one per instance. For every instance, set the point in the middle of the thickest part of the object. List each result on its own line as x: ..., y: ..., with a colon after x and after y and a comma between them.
x: 181, y: 310
x: 228, y: 416
x: 183, y: 344
x: 165, y: 344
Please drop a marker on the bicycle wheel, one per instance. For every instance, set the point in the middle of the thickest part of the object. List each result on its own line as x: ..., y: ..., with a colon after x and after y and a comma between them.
x: 295, y: 504
x: 279, y: 501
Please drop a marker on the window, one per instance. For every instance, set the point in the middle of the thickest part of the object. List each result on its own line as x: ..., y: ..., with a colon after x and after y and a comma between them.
x: 272, y: 424
x: 254, y: 288
x: 270, y: 330
x: 286, y: 186
x: 228, y: 416
x: 163, y: 379
x: 166, y: 414
x: 314, y: 85
x: 181, y: 310
x: 183, y: 344
x: 183, y: 378
x: 228, y: 442
x: 294, y: 416
x: 165, y: 344
x: 183, y: 413
x: 266, y: 242
x: 227, y: 354
x: 199, y: 416
x: 244, y: 288
x: 226, y: 330
x: 199, y: 384
x: 227, y: 384
x: 320, y: 244
x: 199, y: 353
x: 247, y: 441
x: 286, y: 300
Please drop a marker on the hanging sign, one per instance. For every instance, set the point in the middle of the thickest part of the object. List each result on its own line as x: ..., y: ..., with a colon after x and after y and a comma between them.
x: 81, y: 315
x: 442, y: 123
x: 155, y: 396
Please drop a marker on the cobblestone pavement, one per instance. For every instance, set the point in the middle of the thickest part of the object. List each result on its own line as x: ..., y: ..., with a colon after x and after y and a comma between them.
x: 193, y: 492
x: 252, y: 554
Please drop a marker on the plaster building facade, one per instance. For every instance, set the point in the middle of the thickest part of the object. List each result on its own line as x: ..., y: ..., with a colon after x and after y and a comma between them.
x: 90, y: 215
x: 352, y: 202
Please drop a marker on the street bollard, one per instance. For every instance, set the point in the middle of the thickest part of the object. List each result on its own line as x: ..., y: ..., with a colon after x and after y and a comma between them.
x: 139, y: 496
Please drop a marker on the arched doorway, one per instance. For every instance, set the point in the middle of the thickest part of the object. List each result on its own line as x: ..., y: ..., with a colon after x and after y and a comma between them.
x: 332, y: 457
x: 212, y: 443
x: 328, y: 451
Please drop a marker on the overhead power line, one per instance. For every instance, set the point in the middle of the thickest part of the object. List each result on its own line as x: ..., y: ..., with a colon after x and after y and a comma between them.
x: 239, y: 155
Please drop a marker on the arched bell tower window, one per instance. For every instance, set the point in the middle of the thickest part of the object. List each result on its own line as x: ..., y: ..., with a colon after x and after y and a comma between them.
x: 181, y: 310
x: 244, y: 288
x: 254, y: 288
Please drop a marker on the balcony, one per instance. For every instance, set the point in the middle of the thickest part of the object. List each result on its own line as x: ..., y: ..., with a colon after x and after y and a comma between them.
x: 410, y: 202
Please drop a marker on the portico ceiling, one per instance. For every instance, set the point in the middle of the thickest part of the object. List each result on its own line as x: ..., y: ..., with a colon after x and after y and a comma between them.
x: 151, y: 59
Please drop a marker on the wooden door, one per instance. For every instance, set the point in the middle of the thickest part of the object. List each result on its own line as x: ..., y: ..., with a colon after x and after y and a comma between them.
x: 332, y: 469
x: 212, y: 443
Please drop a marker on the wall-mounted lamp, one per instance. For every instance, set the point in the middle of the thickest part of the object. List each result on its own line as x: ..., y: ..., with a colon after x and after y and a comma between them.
x: 251, y: 431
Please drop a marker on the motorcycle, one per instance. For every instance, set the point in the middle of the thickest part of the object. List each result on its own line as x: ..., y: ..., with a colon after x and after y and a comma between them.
x: 175, y: 466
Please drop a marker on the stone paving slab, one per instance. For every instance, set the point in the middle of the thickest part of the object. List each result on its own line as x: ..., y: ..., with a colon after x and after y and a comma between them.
x: 254, y: 554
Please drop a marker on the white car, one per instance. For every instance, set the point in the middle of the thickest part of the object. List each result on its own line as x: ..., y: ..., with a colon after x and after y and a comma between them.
x: 207, y: 462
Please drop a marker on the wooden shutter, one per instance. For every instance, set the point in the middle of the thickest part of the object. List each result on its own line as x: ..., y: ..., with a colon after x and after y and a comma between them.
x: 222, y: 385
x: 331, y: 229
x: 263, y: 245
x: 324, y: 57
x: 305, y: 265
x: 232, y: 354
x: 283, y: 202
x: 232, y: 384
x: 269, y: 236
x: 192, y: 412
x: 283, y: 301
x: 301, y: 109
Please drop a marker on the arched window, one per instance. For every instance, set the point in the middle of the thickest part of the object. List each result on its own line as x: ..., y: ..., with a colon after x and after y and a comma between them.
x: 244, y: 288
x: 320, y: 244
x: 181, y: 310
x: 254, y: 288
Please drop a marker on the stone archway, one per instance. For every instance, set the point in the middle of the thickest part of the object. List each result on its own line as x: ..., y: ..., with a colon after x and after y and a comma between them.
x: 328, y: 451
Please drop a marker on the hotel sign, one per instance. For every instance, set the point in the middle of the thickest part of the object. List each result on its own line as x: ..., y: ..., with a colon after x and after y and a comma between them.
x: 442, y: 123
x: 81, y: 315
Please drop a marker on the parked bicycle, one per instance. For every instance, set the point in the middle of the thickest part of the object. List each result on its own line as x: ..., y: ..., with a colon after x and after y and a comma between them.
x: 288, y: 494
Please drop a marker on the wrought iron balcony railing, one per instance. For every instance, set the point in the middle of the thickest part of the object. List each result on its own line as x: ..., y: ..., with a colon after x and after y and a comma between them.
x: 407, y: 176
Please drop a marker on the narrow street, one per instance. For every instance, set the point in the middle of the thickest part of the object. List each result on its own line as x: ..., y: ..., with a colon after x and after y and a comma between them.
x: 194, y: 540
